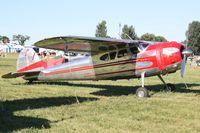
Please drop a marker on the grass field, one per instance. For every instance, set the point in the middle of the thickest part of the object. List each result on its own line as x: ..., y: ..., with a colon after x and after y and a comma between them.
x: 98, y: 106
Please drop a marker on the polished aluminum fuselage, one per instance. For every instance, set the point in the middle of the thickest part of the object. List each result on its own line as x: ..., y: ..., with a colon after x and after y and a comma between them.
x: 75, y: 69
x: 156, y: 60
x: 88, y: 68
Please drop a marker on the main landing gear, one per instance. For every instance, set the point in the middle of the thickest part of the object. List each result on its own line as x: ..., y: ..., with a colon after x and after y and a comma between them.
x: 31, y: 80
x: 143, y: 92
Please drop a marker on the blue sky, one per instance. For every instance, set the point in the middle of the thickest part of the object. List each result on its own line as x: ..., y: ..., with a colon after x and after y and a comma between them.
x: 48, y: 18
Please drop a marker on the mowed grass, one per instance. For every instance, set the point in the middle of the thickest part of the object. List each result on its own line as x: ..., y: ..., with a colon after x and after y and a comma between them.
x: 98, y: 106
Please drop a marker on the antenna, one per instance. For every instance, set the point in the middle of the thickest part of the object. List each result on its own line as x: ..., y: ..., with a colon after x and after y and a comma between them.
x: 128, y: 36
x: 123, y: 33
x: 120, y: 30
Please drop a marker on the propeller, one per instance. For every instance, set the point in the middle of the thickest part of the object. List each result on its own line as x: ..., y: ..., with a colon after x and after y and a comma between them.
x: 186, y: 52
x: 183, y: 64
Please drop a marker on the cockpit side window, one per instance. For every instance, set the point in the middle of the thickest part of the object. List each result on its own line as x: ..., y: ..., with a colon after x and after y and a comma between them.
x: 122, y: 53
x: 134, y: 50
x: 114, y: 54
x: 144, y: 45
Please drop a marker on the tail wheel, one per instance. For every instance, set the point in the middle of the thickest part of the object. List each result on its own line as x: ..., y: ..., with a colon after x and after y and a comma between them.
x: 142, y: 92
x: 170, y: 88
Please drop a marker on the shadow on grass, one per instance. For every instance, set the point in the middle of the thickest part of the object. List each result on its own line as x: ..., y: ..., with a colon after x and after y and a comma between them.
x: 5, y: 65
x: 116, y: 90
x: 9, y: 122
x: 110, y: 90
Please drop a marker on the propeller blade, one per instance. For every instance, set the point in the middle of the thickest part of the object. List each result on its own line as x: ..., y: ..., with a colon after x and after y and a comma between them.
x: 183, y: 64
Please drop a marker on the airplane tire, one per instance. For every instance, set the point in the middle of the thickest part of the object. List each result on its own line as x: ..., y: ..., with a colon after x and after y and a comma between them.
x: 170, y: 88
x: 142, y: 92
x: 30, y: 81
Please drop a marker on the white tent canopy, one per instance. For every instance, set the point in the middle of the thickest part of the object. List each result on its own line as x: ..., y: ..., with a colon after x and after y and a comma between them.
x: 10, y: 48
x: 18, y: 47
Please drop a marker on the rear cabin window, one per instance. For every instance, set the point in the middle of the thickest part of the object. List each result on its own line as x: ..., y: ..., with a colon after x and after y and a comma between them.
x: 104, y: 57
x: 122, y: 53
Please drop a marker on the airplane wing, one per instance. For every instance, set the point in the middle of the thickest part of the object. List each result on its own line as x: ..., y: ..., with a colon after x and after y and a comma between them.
x: 85, y: 44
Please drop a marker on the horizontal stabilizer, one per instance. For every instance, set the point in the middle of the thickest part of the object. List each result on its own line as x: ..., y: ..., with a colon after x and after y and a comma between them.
x: 19, y: 74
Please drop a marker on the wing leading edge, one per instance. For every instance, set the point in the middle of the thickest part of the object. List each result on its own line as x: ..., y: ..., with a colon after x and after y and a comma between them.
x: 84, y: 44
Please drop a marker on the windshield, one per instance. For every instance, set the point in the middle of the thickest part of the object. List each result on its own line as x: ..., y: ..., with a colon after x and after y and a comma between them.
x: 144, y: 44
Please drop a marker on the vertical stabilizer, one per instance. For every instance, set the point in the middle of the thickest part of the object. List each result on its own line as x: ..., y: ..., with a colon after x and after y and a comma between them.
x: 27, y: 57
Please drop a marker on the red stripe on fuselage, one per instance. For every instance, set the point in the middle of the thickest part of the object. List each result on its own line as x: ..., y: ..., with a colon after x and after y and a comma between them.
x: 70, y: 70
x: 33, y: 66
x: 90, y: 67
x: 115, y: 63
x: 115, y: 72
x: 92, y: 75
x: 42, y: 64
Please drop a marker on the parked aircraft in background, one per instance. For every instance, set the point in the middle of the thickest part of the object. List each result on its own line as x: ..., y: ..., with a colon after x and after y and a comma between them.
x: 102, y: 59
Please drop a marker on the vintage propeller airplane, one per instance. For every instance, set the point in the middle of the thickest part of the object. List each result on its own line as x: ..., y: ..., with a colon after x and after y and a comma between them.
x: 102, y: 58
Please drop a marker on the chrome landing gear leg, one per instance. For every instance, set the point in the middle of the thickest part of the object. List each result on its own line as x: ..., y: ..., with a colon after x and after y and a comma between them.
x: 142, y: 91
x: 168, y: 87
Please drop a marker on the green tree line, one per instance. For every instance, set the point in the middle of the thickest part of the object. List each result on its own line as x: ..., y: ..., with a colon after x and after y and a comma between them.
x: 193, y: 37
x: 128, y: 32
x: 18, y: 39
